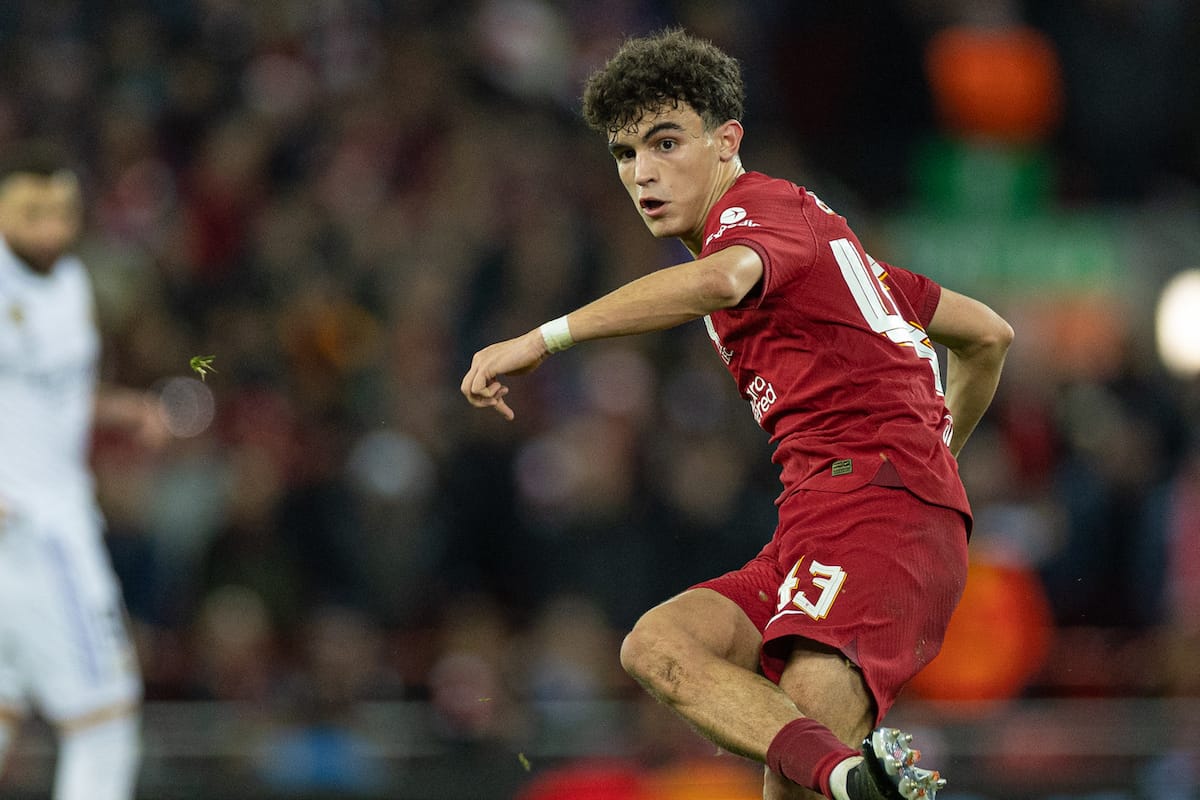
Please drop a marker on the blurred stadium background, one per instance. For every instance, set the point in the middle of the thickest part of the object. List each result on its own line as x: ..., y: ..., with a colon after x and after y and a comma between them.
x: 346, y: 583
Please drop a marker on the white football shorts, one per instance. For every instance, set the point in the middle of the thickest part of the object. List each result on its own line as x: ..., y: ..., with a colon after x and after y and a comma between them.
x: 64, y: 646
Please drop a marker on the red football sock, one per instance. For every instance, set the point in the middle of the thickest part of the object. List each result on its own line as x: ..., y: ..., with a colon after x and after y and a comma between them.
x: 805, y: 752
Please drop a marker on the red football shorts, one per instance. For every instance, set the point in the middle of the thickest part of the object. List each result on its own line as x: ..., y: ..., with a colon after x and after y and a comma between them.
x: 874, y: 573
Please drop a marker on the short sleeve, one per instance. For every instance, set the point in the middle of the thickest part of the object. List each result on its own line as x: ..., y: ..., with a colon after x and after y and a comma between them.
x: 922, y: 293
x: 772, y: 224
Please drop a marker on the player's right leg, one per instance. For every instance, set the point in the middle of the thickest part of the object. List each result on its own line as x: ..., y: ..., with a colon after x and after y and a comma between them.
x: 698, y: 654
x: 13, y: 706
x: 98, y: 755
x: 80, y: 666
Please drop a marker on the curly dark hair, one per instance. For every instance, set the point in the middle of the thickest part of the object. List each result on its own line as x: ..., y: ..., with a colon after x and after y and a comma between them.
x: 661, y: 71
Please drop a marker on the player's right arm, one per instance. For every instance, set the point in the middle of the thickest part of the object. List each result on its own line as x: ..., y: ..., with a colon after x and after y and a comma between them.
x: 670, y: 296
x: 657, y: 301
x: 976, y: 340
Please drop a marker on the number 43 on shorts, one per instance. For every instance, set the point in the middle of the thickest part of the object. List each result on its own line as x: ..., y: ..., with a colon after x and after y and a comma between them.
x: 825, y: 578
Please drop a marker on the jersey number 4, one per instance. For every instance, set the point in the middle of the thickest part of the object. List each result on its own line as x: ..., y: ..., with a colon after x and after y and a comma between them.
x: 875, y: 301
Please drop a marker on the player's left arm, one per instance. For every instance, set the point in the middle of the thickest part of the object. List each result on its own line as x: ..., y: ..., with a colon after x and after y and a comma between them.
x: 657, y: 301
x: 976, y: 340
x: 137, y: 413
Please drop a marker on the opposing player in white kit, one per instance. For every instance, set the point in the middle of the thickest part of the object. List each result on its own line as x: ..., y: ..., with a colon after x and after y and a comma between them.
x: 64, y: 650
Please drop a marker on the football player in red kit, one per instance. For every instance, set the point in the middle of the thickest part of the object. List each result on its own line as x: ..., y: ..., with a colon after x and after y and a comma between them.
x: 795, y: 658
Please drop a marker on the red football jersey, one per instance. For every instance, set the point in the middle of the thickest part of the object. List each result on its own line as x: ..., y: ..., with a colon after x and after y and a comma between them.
x: 830, y: 349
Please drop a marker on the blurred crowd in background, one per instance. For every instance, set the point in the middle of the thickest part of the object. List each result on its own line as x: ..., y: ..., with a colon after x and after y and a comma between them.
x: 341, y: 200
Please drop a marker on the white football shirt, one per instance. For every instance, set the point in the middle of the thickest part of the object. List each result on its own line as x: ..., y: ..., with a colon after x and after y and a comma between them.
x: 49, y: 352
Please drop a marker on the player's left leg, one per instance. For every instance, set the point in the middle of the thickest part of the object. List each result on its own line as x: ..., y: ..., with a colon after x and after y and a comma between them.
x: 827, y: 687
x: 99, y: 755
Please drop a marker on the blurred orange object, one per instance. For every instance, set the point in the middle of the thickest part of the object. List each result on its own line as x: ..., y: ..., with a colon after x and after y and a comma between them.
x: 588, y: 780
x: 997, y: 640
x: 716, y: 778
x: 1000, y: 83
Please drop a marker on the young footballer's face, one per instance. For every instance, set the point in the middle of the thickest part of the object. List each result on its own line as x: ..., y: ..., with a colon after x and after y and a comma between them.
x: 675, y: 169
x: 40, y: 217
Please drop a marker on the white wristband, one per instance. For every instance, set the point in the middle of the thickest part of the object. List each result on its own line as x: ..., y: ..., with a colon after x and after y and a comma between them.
x: 557, y: 335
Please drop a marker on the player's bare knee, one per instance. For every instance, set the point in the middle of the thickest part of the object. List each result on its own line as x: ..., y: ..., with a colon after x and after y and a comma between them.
x: 651, y: 655
x: 636, y: 651
x: 657, y: 670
